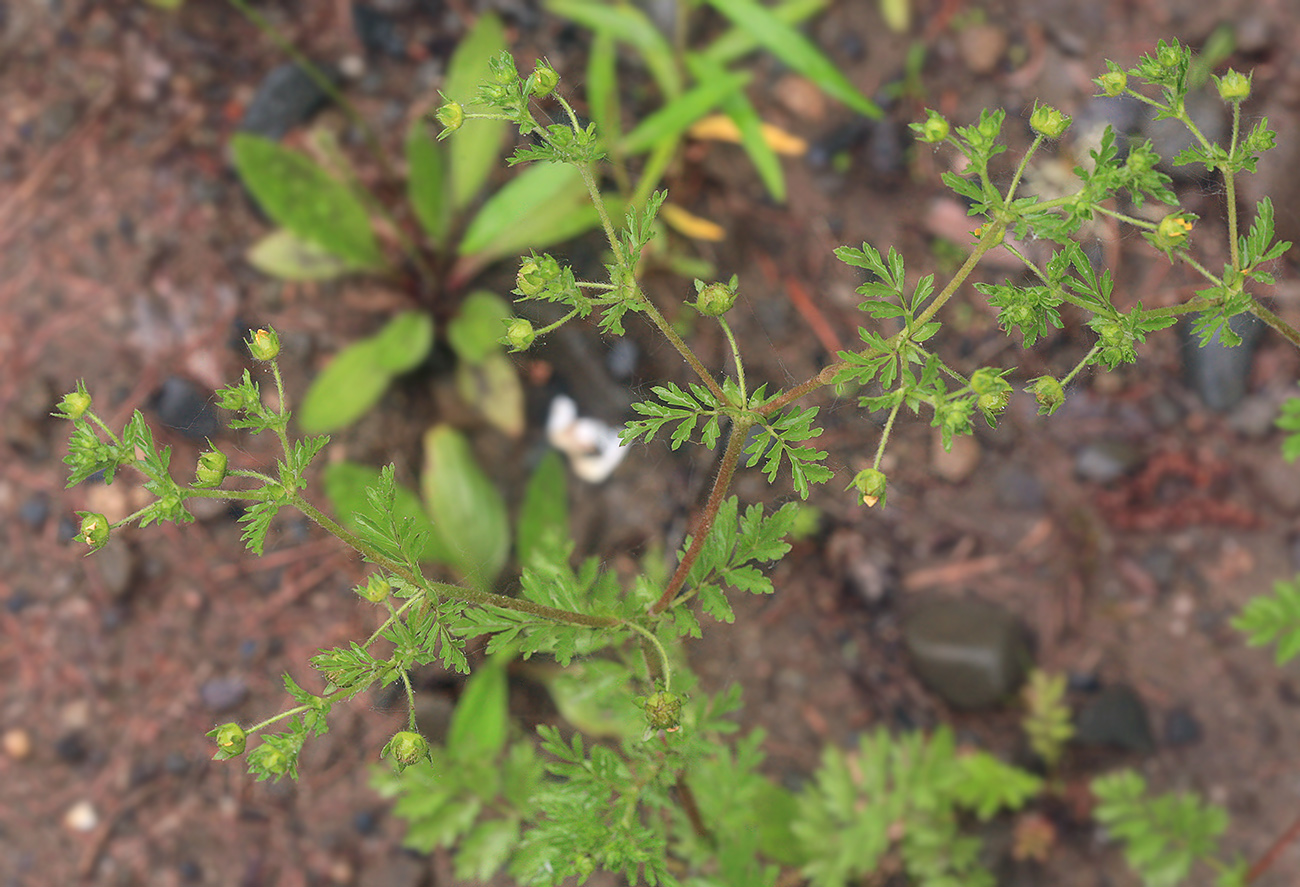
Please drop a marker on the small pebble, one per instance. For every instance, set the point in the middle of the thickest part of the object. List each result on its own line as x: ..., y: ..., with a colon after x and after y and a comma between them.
x: 1104, y: 461
x: 364, y: 822
x: 71, y: 748
x: 286, y: 97
x: 958, y: 463
x: 1019, y: 489
x: 1116, y: 716
x: 17, y: 743
x: 81, y: 817
x: 982, y: 47
x: 223, y: 694
x: 1181, y: 727
x: 34, y: 511
x: 184, y: 407
x: 972, y: 653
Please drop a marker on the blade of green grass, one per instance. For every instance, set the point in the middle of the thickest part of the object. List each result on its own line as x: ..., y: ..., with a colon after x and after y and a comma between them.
x: 737, y: 42
x: 738, y: 107
x: 627, y: 24
x: 475, y: 151
x: 544, y: 204
x: 795, y: 50
x: 670, y: 121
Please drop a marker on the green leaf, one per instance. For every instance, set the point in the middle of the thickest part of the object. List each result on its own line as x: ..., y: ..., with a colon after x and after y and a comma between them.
x: 1274, y: 619
x: 486, y: 848
x: 300, y: 196
x: 345, y: 484
x: 404, y: 342
x: 594, y: 696
x: 475, y: 330
x: 479, y: 723
x: 466, y: 508
x: 475, y: 150
x: 738, y: 42
x: 670, y: 121
x: 426, y: 183
x: 602, y: 88
x: 545, y: 509
x: 627, y: 24
x: 745, y: 116
x: 492, y: 387
x: 287, y: 256
x: 357, y: 377
x: 795, y: 50
x: 350, y: 384
x: 545, y: 204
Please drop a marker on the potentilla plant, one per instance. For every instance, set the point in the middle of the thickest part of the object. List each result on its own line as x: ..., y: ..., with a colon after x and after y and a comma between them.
x: 662, y: 790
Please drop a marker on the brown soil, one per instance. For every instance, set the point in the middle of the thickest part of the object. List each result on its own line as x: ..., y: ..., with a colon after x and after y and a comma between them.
x: 122, y: 230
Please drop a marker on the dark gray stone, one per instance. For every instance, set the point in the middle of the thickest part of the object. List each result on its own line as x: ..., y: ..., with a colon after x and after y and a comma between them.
x: 1116, y: 717
x: 377, y: 31
x: 1104, y: 461
x: 182, y: 406
x: 223, y: 694
x: 1217, y: 373
x: 1181, y: 727
x: 286, y: 97
x: 972, y: 653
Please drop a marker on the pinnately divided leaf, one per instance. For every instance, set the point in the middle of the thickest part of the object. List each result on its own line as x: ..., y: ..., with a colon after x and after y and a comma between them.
x: 780, y: 439
x: 1275, y: 619
x: 674, y: 405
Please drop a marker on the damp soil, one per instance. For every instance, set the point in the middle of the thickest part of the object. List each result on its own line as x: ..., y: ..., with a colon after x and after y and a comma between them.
x: 122, y: 234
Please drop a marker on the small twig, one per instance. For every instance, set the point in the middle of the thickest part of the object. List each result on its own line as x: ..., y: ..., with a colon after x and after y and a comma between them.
x: 1270, y: 856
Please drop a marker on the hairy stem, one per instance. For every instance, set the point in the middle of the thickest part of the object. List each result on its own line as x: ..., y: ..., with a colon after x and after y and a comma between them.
x: 726, y: 471
x: 456, y: 592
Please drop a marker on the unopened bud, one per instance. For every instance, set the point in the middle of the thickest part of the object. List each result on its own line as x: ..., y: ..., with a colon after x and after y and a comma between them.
x: 211, y: 469
x: 230, y: 739
x: 94, y: 529
x: 1049, y: 122
x: 264, y: 344
x: 870, y: 484
x: 1049, y: 393
x: 544, y: 79
x: 714, y: 299
x: 1233, y: 86
x: 407, y: 748
x: 519, y: 334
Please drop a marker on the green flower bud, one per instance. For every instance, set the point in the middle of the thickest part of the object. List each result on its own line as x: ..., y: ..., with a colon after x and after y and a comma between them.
x: 268, y: 760
x: 1171, y: 233
x: 1168, y: 55
x: 211, y: 469
x: 1113, y: 82
x: 502, y: 66
x: 1049, y: 122
x: 376, y: 589
x: 407, y: 748
x: 544, y: 79
x: 714, y: 299
x: 519, y: 334
x: 663, y: 711
x: 230, y: 739
x: 870, y: 484
x: 94, y: 529
x: 1049, y: 393
x: 934, y: 130
x: 264, y: 345
x: 451, y: 115
x: 535, y: 272
x: 74, y: 404
x: 991, y: 390
x: 1233, y: 86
